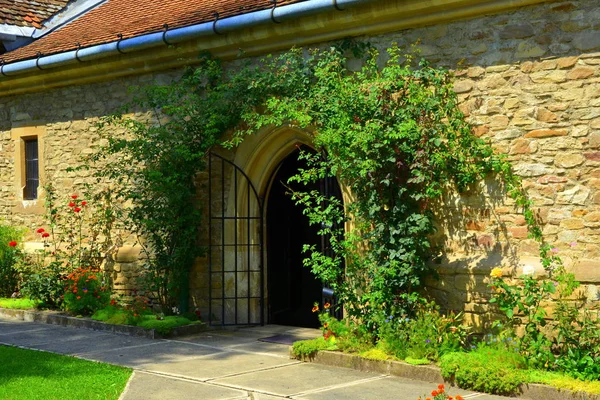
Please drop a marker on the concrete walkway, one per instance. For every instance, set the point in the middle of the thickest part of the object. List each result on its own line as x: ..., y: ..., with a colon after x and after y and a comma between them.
x: 220, y: 364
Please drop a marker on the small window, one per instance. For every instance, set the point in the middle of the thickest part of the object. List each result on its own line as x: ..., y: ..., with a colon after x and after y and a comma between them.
x: 32, y: 175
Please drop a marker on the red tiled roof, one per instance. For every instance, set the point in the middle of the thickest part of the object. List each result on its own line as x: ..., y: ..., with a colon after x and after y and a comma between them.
x: 29, y: 13
x: 134, y: 18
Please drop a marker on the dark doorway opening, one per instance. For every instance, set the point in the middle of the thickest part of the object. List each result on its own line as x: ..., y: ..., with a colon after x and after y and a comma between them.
x: 292, y: 288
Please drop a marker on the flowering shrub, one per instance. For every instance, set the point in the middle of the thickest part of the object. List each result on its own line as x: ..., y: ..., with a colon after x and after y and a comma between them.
x: 78, y: 235
x: 10, y: 256
x: 86, y: 291
x: 440, y: 394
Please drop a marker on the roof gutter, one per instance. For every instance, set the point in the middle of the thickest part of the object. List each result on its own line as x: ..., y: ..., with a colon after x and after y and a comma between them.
x: 170, y: 37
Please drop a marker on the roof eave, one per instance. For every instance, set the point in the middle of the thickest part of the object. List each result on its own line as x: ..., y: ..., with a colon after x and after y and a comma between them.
x: 367, y: 19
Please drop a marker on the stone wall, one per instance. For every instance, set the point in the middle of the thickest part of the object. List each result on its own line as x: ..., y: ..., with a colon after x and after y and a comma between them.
x: 528, y: 80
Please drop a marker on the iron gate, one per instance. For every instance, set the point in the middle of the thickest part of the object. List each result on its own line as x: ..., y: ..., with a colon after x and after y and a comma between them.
x: 235, y: 256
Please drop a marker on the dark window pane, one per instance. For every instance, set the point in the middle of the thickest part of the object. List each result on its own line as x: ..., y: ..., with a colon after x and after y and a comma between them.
x: 32, y: 179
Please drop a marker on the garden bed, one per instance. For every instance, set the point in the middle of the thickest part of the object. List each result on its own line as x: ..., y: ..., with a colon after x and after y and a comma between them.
x: 58, y: 318
x: 430, y: 373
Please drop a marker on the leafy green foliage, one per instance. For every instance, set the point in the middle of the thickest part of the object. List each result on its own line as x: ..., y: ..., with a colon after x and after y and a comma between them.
x: 428, y: 335
x: 308, y: 348
x: 18, y: 304
x: 487, y: 370
x: 9, y: 259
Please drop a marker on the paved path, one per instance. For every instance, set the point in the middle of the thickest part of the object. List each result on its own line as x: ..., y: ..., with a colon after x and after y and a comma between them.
x: 226, y: 365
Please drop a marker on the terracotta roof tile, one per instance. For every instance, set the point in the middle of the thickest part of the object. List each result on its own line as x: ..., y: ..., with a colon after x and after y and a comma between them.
x: 29, y: 13
x: 133, y: 18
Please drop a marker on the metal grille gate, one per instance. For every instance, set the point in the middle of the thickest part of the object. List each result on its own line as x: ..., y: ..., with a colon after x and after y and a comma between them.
x: 235, y: 257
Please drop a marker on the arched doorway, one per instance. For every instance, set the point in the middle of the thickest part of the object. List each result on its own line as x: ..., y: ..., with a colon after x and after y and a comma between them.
x: 292, y: 288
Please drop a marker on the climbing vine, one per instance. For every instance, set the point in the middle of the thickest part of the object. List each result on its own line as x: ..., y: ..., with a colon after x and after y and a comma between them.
x: 392, y: 134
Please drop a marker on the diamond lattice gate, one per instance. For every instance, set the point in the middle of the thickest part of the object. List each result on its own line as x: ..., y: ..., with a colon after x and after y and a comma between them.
x: 236, y: 250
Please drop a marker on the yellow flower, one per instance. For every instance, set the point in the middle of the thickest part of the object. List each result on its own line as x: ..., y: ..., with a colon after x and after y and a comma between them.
x: 496, y: 273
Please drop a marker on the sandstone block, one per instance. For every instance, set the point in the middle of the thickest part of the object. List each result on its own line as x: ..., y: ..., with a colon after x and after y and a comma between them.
x: 529, y: 170
x: 567, y: 236
x: 544, y: 115
x: 576, y: 195
x: 592, y: 217
x: 595, y: 156
x: 475, y: 72
x: 481, y: 130
x: 556, y: 76
x: 463, y: 86
x: 569, y: 160
x: 127, y: 254
x: 595, y: 123
x: 581, y: 73
x: 498, y: 122
x: 543, y: 133
x: 572, y: 223
x: 518, y: 232
x: 552, y: 179
x: 520, y: 146
x: 587, y: 270
x: 566, y: 62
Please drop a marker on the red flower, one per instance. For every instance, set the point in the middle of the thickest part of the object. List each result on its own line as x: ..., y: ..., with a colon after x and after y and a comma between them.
x: 434, y: 393
x: 71, y: 204
x: 441, y: 386
x: 74, y: 196
x: 83, y: 203
x: 40, y: 230
x: 78, y: 297
x: 76, y: 209
x: 113, y: 302
x: 12, y: 244
x: 45, y: 235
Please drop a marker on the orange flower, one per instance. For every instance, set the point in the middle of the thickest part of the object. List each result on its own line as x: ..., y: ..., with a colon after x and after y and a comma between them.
x: 441, y: 386
x: 326, y: 325
x: 315, y: 309
x: 326, y: 306
x: 78, y: 297
x: 459, y: 397
x: 434, y: 393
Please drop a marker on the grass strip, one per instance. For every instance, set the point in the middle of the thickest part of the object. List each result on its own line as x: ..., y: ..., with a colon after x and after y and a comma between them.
x: 33, y: 375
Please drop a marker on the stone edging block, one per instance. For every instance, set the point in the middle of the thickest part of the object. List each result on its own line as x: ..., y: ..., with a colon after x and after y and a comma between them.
x: 54, y: 318
x: 432, y: 373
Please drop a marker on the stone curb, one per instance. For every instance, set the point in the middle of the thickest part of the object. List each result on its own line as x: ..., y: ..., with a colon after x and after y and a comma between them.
x: 432, y: 373
x: 54, y: 318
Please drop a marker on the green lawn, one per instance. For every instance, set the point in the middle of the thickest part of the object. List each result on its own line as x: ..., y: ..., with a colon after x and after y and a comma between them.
x: 18, y: 304
x: 33, y: 375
